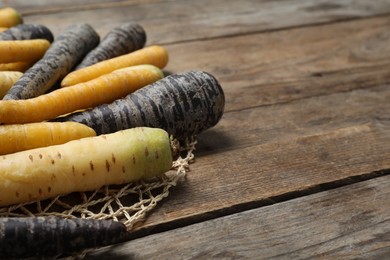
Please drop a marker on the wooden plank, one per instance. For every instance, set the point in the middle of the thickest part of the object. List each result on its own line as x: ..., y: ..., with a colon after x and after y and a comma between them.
x: 224, y: 181
x: 55, y: 6
x: 266, y: 152
x: 174, y: 21
x: 285, y: 122
x: 287, y: 65
x: 351, y: 222
x: 276, y: 67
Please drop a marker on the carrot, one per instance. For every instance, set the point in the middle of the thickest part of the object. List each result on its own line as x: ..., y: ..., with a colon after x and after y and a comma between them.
x: 154, y: 55
x: 27, y: 237
x: 21, y: 66
x: 7, y: 79
x: 23, y: 50
x: 27, y: 32
x: 10, y: 17
x: 20, y: 137
x: 64, y: 53
x: 183, y: 104
x: 120, y: 40
x: 2, y: 29
x: 58, y: 102
x: 83, y: 165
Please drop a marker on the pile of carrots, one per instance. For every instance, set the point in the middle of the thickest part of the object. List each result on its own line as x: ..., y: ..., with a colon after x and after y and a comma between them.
x: 78, y: 87
x: 78, y: 112
x: 108, y: 72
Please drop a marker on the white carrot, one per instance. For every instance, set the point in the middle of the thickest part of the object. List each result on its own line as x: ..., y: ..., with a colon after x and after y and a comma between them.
x: 83, y: 165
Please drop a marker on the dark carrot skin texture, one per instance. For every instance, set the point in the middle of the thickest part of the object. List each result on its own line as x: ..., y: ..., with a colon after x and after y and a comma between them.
x: 64, y: 53
x: 120, y: 40
x: 53, y: 236
x: 183, y: 104
x: 27, y: 32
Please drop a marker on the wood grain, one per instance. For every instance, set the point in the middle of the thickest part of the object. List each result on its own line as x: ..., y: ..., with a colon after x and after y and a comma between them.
x: 276, y: 67
x: 177, y: 21
x: 56, y: 6
x: 351, y: 222
x: 261, y: 153
x: 225, y: 181
x: 307, y: 88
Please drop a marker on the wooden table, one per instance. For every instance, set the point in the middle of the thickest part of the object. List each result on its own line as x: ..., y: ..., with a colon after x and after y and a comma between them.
x: 299, y: 165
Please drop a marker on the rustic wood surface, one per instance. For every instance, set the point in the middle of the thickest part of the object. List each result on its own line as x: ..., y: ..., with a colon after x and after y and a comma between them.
x: 348, y: 222
x: 307, y: 110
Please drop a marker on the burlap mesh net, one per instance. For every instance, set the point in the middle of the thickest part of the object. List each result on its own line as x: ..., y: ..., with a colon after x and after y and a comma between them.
x: 125, y: 203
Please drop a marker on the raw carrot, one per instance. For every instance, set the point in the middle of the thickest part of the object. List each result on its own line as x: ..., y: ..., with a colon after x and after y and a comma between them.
x: 23, y: 50
x: 2, y: 29
x: 154, y: 55
x: 183, y: 104
x: 27, y: 32
x: 7, y: 79
x: 104, y: 89
x: 10, y: 17
x: 120, y: 40
x: 64, y: 53
x: 20, y: 137
x: 84, y: 165
x: 27, y: 237
x: 21, y: 66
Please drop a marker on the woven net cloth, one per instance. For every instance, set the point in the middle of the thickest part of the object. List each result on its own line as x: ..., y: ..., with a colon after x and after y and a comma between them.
x: 128, y: 204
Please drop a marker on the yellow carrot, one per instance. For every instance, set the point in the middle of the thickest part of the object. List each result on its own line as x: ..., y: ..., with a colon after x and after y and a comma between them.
x: 86, y: 164
x: 21, y: 66
x: 23, y: 50
x: 20, y: 137
x: 9, y: 17
x: 2, y: 29
x: 104, y: 89
x: 154, y: 55
x: 7, y: 79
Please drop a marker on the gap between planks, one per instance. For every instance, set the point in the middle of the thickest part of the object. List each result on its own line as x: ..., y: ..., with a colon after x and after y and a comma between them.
x: 347, y: 222
x: 183, y: 21
x: 79, y: 6
x: 234, y: 209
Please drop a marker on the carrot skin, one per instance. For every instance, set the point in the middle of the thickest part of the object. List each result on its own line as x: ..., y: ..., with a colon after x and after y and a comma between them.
x: 64, y: 53
x: 10, y: 17
x: 104, y: 89
x: 22, y: 237
x: 21, y: 66
x: 20, y: 137
x: 7, y: 79
x: 27, y: 32
x: 121, y: 40
x: 154, y: 55
x: 85, y: 164
x: 183, y: 104
x: 23, y: 50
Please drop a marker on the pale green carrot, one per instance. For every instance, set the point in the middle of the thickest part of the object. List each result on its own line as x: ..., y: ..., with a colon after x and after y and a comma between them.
x: 83, y: 165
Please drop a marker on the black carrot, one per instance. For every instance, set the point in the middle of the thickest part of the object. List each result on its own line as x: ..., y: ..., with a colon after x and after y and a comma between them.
x: 120, y: 40
x: 27, y: 32
x: 53, y: 236
x: 183, y: 104
x: 64, y: 53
